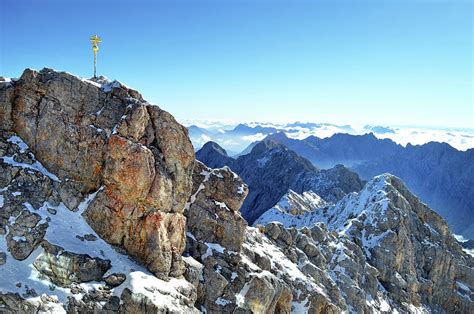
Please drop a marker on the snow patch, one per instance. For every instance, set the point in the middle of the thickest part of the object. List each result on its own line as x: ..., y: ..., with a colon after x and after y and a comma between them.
x: 19, y: 142
x: 37, y: 166
x: 211, y: 247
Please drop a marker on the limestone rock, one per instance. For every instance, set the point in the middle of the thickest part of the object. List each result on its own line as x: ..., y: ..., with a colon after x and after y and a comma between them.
x: 63, y: 267
x: 115, y: 280
x: 92, y: 136
x: 213, y: 210
x: 397, y: 242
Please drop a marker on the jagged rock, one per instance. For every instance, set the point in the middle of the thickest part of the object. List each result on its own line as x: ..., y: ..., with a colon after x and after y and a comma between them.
x: 93, y: 304
x: 326, y: 269
x: 115, y: 280
x: 213, y: 210
x: 194, y: 271
x: 216, y: 236
x: 25, y: 234
x: 264, y: 294
x: 69, y: 192
x: 64, y: 268
x: 91, y: 136
x: 14, y: 303
x: 398, y: 243
x: 25, y: 184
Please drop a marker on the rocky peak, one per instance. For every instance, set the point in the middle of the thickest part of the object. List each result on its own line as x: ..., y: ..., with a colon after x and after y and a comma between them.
x: 213, y: 146
x: 100, y: 198
x: 409, y: 244
x: 214, y: 156
x: 108, y: 139
x: 52, y: 261
x: 271, y: 169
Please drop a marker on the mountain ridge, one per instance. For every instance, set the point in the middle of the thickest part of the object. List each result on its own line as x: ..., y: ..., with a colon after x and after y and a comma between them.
x: 437, y: 172
x: 271, y: 169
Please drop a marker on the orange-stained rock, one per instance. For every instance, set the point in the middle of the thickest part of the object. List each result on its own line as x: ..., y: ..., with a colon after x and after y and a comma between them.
x: 92, y: 136
x: 177, y: 151
x: 130, y: 168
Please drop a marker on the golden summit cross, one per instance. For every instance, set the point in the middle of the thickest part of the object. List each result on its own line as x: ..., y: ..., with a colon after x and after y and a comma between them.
x: 95, y: 40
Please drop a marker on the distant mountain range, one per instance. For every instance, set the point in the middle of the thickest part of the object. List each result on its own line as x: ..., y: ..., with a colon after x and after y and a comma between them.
x: 234, y: 138
x: 271, y: 169
x: 440, y: 175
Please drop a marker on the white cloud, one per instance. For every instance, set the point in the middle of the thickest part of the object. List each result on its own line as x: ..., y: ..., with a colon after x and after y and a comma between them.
x: 253, y: 138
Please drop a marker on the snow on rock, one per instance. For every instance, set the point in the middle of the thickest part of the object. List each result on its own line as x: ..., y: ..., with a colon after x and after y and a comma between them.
x: 19, y: 142
x: 386, y: 228
x: 68, y: 230
x: 294, y: 210
x: 35, y: 166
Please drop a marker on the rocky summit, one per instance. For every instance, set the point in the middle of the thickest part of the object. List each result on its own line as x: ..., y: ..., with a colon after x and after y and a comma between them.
x: 104, y: 209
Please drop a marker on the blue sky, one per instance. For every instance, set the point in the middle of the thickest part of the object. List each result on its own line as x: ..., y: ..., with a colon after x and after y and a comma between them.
x: 404, y: 62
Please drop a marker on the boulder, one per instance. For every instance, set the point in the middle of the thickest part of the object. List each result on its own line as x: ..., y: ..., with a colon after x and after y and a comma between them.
x: 64, y: 268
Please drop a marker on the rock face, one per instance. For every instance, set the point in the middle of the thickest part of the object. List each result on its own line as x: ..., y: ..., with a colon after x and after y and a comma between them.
x: 271, y: 170
x: 213, y: 213
x: 52, y: 261
x: 108, y: 137
x: 216, y: 238
x: 64, y: 268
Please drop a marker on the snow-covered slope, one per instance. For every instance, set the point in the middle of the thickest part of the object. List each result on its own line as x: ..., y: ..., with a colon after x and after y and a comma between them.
x: 401, y: 237
x: 294, y: 210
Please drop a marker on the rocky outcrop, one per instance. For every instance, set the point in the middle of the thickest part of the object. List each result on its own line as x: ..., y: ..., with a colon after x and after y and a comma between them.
x: 216, y: 240
x: 213, y: 211
x: 51, y: 259
x: 270, y: 170
x: 334, y: 258
x: 73, y: 150
x: 64, y: 268
x: 108, y: 137
x: 274, y: 269
x: 413, y: 254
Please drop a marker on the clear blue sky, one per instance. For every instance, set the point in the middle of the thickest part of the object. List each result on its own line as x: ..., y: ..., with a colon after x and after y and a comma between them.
x: 389, y: 62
